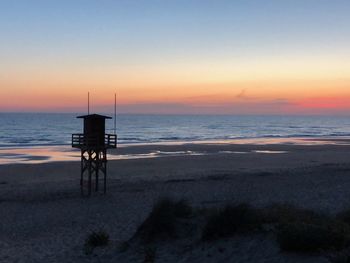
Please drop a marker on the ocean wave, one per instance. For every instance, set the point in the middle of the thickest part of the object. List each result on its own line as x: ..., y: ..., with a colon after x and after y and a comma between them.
x: 32, y: 129
x: 171, y: 138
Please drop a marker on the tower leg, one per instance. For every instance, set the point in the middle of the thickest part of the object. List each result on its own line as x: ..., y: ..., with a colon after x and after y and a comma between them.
x: 82, y: 163
x: 93, y: 163
x: 104, y: 178
x: 96, y: 184
x: 81, y: 168
x: 89, y: 182
x: 103, y: 166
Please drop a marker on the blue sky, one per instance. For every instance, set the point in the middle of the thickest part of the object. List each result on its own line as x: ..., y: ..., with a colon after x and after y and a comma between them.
x: 134, y: 29
x: 174, y: 39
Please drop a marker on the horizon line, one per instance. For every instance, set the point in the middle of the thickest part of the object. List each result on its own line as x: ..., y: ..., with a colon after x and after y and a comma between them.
x: 184, y: 114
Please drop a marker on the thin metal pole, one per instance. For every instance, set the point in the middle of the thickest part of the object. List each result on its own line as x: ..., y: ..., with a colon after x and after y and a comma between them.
x: 115, y: 113
x: 88, y: 103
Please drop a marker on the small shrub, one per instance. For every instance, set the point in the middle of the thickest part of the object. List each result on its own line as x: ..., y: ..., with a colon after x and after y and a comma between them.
x: 285, y: 213
x: 304, y: 237
x: 96, y: 239
x: 344, y: 216
x: 226, y: 222
x: 162, y: 220
x: 182, y: 209
x: 342, y: 256
x: 123, y: 246
x: 149, y: 255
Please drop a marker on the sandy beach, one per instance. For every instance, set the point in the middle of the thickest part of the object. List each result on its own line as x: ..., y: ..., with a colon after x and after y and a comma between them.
x: 44, y: 218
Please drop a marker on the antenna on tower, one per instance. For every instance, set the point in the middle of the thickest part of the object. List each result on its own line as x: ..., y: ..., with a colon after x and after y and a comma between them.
x: 115, y: 113
x: 88, y: 103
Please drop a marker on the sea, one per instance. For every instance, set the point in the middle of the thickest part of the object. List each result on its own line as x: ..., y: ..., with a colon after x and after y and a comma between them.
x: 45, y: 130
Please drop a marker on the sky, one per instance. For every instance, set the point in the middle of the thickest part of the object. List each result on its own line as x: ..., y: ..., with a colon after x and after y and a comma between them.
x: 176, y: 57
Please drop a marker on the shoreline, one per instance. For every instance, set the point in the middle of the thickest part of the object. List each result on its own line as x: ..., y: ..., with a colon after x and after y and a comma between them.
x: 59, y: 153
x: 214, y: 160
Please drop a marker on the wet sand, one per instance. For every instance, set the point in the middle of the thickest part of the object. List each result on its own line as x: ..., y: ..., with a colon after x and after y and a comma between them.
x: 44, y: 218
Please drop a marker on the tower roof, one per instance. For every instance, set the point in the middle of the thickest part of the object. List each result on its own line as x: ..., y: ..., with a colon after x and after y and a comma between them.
x: 94, y: 116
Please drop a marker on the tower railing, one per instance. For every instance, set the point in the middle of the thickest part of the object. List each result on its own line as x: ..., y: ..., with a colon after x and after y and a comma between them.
x: 80, y: 140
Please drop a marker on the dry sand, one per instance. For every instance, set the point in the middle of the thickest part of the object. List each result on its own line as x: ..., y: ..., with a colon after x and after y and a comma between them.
x: 44, y: 218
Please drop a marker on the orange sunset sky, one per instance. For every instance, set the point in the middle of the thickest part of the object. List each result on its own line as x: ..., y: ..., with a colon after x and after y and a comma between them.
x: 176, y: 57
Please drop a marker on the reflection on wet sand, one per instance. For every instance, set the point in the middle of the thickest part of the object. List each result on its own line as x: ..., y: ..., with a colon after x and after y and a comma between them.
x: 41, y: 154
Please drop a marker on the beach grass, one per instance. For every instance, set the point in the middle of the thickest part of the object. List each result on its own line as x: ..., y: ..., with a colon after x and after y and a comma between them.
x: 228, y: 221
x: 308, y: 237
x: 96, y: 239
x: 295, y: 229
x: 162, y: 221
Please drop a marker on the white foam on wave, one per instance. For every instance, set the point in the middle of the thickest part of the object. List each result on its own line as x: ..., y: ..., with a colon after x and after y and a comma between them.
x: 269, y: 152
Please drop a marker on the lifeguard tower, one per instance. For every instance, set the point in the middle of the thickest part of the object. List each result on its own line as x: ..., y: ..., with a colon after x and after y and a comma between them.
x: 93, y: 144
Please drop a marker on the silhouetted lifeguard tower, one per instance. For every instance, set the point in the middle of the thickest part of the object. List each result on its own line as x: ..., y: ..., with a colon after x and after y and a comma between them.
x: 93, y: 144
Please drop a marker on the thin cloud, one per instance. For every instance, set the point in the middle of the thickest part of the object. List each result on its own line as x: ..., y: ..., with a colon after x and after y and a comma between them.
x: 242, y: 94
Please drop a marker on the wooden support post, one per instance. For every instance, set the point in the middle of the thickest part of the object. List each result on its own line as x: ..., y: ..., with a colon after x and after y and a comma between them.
x: 97, y: 170
x: 82, y: 164
x: 93, y: 164
x: 105, y: 178
x: 89, y: 182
